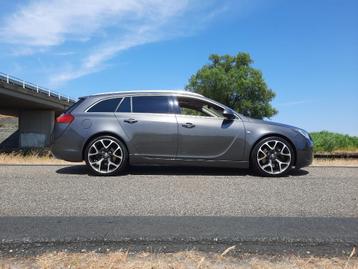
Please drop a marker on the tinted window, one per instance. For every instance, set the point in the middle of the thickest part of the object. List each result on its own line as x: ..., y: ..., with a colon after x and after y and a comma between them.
x: 195, y: 107
x: 108, y: 105
x: 151, y: 104
x: 125, y: 106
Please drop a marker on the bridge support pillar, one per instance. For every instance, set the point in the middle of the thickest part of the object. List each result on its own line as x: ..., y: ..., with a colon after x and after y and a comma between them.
x: 35, y: 128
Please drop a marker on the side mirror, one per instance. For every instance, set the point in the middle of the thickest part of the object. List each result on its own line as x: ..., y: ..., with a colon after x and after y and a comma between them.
x: 228, y: 114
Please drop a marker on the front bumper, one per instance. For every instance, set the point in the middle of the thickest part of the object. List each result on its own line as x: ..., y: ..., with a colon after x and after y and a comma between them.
x: 304, y: 156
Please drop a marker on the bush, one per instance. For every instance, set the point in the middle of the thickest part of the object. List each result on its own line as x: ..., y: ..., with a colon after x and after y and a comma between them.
x: 325, y: 141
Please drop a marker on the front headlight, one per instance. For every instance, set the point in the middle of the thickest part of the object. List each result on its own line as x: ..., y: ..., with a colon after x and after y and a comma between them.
x: 304, y: 133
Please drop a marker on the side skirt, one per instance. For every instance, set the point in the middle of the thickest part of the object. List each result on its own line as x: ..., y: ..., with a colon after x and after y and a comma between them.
x: 143, y: 160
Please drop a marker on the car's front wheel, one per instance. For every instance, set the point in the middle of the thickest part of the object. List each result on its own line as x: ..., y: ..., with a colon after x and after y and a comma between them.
x: 106, y: 156
x: 272, y: 156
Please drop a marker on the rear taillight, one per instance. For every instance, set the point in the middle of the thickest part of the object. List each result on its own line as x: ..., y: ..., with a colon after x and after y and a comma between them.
x: 65, y: 118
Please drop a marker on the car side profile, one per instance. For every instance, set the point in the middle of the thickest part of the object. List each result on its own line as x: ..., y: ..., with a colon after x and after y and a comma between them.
x: 109, y: 131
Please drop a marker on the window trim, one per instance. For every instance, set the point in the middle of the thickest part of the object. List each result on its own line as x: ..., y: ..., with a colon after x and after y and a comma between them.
x: 130, y: 104
x: 104, y: 99
x: 174, y: 105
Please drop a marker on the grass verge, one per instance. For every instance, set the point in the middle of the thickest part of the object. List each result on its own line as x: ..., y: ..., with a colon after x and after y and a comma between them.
x: 325, y: 141
x: 184, y: 259
x: 30, y: 157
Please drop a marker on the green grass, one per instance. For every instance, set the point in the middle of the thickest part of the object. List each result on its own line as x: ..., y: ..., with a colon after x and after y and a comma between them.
x: 325, y: 141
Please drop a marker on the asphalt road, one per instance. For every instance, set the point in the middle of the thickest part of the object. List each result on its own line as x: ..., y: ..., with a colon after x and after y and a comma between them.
x: 161, y: 204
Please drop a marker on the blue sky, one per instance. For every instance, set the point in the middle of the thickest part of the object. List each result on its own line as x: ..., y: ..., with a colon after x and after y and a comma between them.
x: 307, y: 50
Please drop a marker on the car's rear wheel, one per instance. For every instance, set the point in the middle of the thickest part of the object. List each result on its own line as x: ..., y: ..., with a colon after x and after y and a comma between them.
x: 106, y: 156
x: 272, y: 156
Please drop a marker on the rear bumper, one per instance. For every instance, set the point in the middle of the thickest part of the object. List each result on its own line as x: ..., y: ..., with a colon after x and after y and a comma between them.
x: 67, y: 148
x: 69, y: 155
x: 304, y: 155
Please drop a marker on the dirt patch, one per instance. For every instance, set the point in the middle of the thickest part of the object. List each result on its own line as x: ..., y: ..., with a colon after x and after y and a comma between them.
x: 335, y: 162
x: 30, y: 158
x: 185, y: 259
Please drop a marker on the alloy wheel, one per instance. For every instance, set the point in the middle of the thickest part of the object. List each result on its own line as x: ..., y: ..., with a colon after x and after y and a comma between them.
x: 105, y: 155
x: 274, y: 157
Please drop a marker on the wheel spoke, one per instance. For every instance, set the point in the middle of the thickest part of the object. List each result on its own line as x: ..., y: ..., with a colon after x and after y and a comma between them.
x: 108, y: 166
x: 94, y: 146
x: 262, y: 158
x: 112, y: 163
x: 267, y: 165
x: 269, y: 146
x: 264, y: 155
x: 116, y: 151
x: 280, y: 163
x: 117, y: 156
x: 100, y: 142
x: 274, y: 146
x: 99, y: 162
x: 110, y: 143
x: 93, y: 153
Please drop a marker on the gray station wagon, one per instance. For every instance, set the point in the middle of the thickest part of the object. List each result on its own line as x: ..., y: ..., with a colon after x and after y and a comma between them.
x: 109, y: 131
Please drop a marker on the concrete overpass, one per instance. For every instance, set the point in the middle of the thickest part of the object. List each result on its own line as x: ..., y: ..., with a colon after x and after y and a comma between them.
x: 36, y: 107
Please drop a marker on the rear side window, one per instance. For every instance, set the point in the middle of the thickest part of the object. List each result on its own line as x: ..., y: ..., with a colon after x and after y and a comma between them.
x: 125, y: 106
x: 151, y: 104
x: 108, y: 105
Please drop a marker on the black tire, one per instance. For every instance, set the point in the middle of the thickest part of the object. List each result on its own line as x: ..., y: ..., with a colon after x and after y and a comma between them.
x: 111, y: 157
x: 257, y: 165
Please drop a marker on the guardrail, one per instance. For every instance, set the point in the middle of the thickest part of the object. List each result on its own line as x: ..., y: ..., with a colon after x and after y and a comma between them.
x: 35, y: 88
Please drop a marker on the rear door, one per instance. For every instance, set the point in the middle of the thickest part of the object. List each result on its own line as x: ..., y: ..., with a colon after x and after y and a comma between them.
x: 150, y: 124
x: 203, y: 132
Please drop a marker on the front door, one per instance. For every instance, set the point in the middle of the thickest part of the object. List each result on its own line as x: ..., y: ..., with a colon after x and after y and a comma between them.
x: 203, y: 132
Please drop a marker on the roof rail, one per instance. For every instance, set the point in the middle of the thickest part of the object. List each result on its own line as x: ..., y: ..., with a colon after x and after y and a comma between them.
x: 147, y: 91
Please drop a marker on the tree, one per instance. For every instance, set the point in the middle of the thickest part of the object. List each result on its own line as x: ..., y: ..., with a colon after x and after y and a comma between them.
x: 233, y: 81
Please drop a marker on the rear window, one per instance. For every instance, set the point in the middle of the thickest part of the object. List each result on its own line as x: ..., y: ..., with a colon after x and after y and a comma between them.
x: 108, y: 105
x: 150, y: 104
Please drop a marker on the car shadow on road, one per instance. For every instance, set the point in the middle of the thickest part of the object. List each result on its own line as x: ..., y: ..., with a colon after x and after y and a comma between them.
x: 177, y: 170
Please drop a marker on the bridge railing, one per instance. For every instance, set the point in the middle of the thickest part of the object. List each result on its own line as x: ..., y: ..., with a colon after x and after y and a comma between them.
x: 35, y: 88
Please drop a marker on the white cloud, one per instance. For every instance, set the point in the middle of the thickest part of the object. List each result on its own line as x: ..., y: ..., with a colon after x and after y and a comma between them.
x: 95, y: 60
x: 50, y: 23
x: 102, y: 28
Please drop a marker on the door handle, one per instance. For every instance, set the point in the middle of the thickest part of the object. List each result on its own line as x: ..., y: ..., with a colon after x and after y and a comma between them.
x: 188, y: 125
x: 130, y: 121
